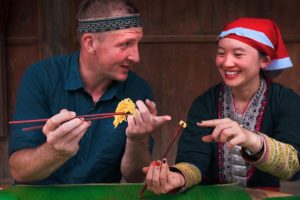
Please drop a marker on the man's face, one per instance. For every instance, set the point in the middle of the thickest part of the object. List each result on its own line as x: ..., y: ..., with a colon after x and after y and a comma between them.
x: 117, y: 52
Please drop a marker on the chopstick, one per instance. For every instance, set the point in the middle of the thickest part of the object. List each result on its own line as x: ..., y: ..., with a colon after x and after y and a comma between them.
x: 80, y: 116
x: 182, y: 125
x: 85, y: 117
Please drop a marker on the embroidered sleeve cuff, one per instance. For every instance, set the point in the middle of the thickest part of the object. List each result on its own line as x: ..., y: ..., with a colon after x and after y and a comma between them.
x: 279, y: 159
x: 191, y: 173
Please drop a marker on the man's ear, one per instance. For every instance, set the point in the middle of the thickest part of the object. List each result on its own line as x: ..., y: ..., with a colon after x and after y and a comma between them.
x: 266, y: 60
x: 88, y: 42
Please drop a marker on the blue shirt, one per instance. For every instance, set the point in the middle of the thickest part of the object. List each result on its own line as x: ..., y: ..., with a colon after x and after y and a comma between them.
x: 54, y: 84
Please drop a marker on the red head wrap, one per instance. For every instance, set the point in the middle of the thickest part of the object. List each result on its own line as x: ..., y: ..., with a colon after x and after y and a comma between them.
x: 263, y: 35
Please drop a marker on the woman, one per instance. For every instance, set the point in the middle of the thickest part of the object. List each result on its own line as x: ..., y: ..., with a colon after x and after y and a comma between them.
x: 248, y: 125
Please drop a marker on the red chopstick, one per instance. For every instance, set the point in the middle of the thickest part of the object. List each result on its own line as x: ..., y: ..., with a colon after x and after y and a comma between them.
x: 32, y: 128
x: 80, y: 116
x: 85, y: 117
x: 177, y: 133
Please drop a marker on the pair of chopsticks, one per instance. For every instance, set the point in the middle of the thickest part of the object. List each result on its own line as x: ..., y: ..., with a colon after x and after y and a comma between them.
x: 182, y: 125
x: 85, y: 117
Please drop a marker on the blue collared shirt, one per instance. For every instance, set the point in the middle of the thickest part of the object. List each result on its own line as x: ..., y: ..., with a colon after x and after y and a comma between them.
x: 54, y: 84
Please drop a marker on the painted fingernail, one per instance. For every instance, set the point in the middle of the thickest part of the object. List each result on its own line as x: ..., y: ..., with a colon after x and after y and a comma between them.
x: 157, y: 163
x: 164, y: 160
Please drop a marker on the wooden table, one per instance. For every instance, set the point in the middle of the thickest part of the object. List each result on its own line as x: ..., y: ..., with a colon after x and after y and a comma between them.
x: 129, y: 192
x: 257, y: 194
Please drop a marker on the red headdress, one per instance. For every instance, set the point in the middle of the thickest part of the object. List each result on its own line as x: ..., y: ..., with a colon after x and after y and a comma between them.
x: 263, y: 35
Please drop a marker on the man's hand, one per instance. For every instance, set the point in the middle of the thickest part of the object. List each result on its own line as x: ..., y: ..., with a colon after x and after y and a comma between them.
x: 63, y: 132
x: 141, y: 124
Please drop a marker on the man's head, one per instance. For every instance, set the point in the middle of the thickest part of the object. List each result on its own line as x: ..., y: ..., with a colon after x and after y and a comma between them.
x: 107, y: 15
x: 110, y: 31
x: 105, y: 8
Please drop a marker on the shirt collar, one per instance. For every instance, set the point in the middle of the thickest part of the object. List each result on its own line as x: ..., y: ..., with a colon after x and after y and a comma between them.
x: 112, y: 91
x: 73, y: 81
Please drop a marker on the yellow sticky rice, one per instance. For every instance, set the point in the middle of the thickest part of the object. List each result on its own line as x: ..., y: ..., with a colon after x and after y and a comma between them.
x: 126, y: 106
x: 182, y: 123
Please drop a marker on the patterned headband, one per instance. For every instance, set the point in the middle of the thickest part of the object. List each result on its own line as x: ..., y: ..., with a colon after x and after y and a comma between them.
x: 109, y: 24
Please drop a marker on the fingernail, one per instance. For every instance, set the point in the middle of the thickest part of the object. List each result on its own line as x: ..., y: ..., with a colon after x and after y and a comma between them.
x: 164, y: 160
x: 157, y: 163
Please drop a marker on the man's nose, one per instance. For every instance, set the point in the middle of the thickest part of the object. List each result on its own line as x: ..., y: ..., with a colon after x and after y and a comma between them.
x: 134, y: 55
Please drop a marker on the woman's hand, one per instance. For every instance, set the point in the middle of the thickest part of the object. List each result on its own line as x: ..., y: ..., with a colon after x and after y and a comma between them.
x: 160, y: 179
x: 230, y: 132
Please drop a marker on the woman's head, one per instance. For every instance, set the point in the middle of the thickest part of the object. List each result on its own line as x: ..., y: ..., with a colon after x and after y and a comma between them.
x: 240, y: 64
x: 263, y: 35
x: 247, y: 47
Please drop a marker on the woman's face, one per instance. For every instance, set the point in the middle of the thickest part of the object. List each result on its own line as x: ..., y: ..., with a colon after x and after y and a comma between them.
x: 238, y: 63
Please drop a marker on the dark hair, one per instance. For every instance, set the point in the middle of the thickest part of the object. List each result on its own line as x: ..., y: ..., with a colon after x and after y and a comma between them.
x: 268, y: 74
x: 105, y: 8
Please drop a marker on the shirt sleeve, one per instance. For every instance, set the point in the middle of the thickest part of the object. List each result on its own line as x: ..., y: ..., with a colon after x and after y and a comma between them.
x: 287, y: 119
x: 31, y: 103
x: 191, y: 148
x: 279, y: 159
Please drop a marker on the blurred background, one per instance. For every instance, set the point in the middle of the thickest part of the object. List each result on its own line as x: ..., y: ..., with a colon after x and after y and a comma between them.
x: 177, y: 51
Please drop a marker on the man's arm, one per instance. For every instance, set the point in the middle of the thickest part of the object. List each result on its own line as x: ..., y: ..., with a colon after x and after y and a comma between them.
x: 29, y: 165
x: 136, y: 157
x: 63, y: 133
x: 137, y: 153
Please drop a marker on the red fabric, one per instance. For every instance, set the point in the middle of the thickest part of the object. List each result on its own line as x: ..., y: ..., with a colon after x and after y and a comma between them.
x: 266, y: 26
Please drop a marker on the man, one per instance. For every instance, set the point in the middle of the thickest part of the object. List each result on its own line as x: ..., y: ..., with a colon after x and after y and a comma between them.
x: 93, y: 80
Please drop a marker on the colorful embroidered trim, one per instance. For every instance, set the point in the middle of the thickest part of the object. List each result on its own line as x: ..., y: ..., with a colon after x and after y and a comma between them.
x: 278, y: 159
x: 259, y: 102
x: 109, y: 24
x: 191, y: 173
